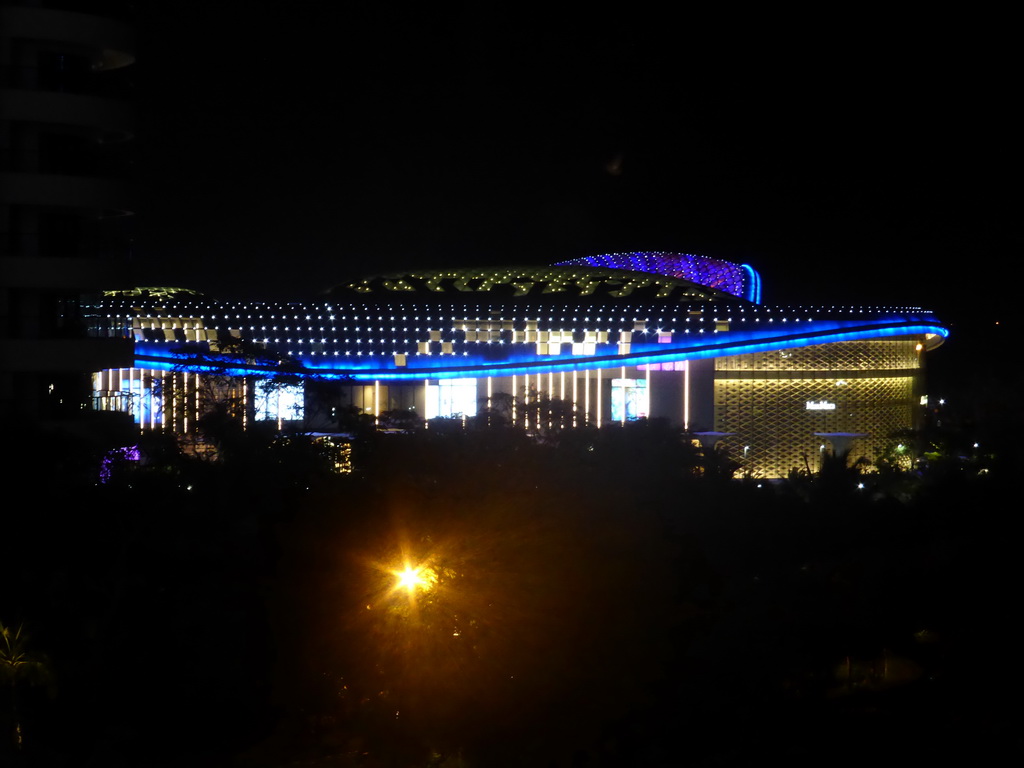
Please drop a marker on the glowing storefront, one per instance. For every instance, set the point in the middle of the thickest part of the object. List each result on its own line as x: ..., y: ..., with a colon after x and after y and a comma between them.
x: 593, y: 342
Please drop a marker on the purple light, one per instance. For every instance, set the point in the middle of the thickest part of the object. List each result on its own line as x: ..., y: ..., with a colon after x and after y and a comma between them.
x: 117, y: 456
x: 736, y: 279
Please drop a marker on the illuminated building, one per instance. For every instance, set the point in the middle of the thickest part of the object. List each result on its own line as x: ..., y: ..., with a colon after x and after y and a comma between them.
x: 593, y: 342
x: 62, y: 132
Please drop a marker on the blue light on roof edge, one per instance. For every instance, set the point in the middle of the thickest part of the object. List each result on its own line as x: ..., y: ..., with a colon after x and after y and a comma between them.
x: 157, y: 358
x: 753, y: 287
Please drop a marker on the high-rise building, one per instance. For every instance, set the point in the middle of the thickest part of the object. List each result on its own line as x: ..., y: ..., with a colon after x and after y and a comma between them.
x: 64, y: 124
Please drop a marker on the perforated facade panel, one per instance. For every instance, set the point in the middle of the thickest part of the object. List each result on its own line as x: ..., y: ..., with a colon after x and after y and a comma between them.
x: 774, y: 402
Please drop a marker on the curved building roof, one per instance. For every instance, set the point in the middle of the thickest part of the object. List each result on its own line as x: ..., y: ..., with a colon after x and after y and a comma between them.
x: 735, y: 279
x: 532, y: 283
x: 490, y: 321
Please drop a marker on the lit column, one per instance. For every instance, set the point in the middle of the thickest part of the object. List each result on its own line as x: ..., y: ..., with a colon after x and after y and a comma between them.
x: 195, y: 396
x: 149, y: 390
x: 184, y: 403
x: 622, y: 375
x: 489, y: 393
x: 647, y: 406
x: 586, y: 396
x: 527, y: 394
x: 686, y: 395
x: 551, y: 394
x: 575, y: 389
x: 171, y: 399
x: 513, y: 400
x: 561, y: 395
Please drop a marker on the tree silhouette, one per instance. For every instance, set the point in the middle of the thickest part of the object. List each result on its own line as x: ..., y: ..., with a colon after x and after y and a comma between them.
x: 20, y: 666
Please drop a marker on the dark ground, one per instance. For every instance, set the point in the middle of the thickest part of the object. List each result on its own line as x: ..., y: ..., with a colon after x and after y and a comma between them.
x: 595, y: 602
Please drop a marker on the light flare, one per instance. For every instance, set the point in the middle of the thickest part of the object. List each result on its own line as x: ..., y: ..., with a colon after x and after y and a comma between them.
x: 415, y: 579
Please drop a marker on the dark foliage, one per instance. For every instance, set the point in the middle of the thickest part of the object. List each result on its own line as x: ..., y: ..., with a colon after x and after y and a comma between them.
x: 601, y: 596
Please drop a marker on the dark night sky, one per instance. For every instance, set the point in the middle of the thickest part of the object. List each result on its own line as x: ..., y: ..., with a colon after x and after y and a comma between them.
x: 865, y: 160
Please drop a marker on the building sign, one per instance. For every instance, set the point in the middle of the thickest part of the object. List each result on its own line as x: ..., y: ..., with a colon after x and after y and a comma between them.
x: 820, y: 405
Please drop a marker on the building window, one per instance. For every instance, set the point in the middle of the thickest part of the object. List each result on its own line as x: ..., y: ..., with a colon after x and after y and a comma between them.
x: 277, y: 402
x: 629, y: 399
x: 451, y: 398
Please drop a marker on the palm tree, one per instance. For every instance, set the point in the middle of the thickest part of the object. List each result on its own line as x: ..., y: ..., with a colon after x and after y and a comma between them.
x: 20, y: 666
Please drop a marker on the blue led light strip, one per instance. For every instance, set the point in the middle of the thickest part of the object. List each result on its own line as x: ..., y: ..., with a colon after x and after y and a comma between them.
x: 752, y: 291
x: 736, y: 343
